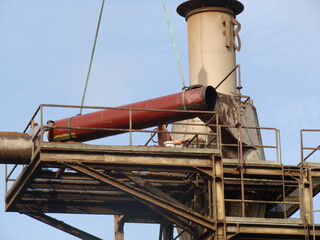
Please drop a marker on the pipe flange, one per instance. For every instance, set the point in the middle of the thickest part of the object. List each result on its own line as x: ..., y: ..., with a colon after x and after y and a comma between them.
x: 235, y: 6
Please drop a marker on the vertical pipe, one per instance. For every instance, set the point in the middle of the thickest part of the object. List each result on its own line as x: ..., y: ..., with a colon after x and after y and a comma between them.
x: 240, y: 154
x: 211, y: 46
x: 209, y: 57
x: 212, y: 30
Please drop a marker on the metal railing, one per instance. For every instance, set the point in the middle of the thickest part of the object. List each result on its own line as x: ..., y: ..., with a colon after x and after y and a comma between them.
x: 315, y: 215
x: 239, y: 202
x: 214, y: 135
x: 130, y: 130
x: 38, y: 133
x: 248, y: 203
x: 305, y: 147
x: 259, y: 144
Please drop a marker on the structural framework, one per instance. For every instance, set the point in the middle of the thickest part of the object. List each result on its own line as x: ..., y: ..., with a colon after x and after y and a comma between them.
x: 209, y: 176
x: 193, y: 188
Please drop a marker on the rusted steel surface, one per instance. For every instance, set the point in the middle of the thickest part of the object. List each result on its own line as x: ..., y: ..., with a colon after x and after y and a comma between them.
x: 247, y: 123
x: 62, y: 226
x: 203, y: 98
x: 94, y: 187
x: 144, y: 196
x: 269, y: 229
x: 15, y: 148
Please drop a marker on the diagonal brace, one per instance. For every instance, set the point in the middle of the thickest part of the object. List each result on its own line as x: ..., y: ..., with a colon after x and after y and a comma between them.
x: 182, y: 223
x: 61, y: 225
x: 143, y: 196
x: 149, y: 187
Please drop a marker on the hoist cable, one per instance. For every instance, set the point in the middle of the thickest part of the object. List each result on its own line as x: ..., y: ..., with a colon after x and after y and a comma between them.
x: 174, y: 44
x: 92, y: 55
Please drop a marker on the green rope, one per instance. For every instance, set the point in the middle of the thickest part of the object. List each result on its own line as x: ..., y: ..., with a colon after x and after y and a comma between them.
x: 174, y: 44
x: 92, y: 55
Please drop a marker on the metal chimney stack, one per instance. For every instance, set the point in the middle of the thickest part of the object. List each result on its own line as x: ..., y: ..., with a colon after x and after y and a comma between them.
x: 212, y: 41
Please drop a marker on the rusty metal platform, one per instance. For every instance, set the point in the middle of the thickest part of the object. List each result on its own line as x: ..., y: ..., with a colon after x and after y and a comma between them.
x: 194, y: 189
x: 60, y: 173
x: 207, y: 190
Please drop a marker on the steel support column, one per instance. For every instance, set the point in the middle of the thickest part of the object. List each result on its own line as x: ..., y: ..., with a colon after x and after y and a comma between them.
x: 167, y: 231
x: 218, y: 195
x: 119, y: 221
x: 178, y: 221
x: 306, y: 198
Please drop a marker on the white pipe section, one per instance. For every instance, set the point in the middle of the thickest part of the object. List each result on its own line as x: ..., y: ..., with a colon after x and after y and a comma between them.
x: 212, y: 47
x: 212, y: 30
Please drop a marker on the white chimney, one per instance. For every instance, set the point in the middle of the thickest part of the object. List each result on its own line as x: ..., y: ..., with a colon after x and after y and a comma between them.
x: 212, y: 41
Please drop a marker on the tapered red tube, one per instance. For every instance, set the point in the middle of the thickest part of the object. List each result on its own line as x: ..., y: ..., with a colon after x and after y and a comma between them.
x: 15, y: 148
x: 203, y: 98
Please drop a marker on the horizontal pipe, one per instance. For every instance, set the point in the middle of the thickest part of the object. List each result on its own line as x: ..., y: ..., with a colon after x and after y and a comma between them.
x: 15, y: 148
x: 201, y: 98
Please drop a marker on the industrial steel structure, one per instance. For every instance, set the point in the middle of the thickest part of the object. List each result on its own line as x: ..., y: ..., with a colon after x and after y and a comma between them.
x: 193, y: 188
x: 215, y: 183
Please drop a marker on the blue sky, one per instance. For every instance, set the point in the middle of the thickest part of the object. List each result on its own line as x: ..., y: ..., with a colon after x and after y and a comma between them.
x: 45, y: 48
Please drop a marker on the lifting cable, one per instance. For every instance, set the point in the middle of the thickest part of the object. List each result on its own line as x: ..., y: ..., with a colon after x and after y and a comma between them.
x: 95, y: 42
x: 174, y: 45
x: 92, y: 55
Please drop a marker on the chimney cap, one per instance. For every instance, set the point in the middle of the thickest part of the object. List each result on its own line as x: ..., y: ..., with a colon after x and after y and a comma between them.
x: 235, y: 6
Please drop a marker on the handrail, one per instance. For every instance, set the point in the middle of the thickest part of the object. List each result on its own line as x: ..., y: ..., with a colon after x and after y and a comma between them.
x: 303, y: 147
x: 215, y: 142
x: 277, y: 145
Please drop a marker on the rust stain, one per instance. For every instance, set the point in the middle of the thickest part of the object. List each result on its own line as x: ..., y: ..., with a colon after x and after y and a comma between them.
x: 14, y: 134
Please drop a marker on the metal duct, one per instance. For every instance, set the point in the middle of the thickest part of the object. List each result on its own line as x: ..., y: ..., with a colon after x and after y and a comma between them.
x: 15, y: 148
x: 202, y: 98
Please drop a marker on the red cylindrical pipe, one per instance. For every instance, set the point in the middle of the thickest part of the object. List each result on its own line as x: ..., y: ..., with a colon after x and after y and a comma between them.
x: 203, y: 98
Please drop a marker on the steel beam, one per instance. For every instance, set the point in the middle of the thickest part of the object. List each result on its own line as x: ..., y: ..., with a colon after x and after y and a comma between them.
x: 62, y: 226
x: 136, y: 160
x: 306, y: 205
x: 285, y: 230
x: 22, y: 183
x: 178, y: 221
x: 144, y: 196
x: 149, y: 187
x: 218, y: 196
